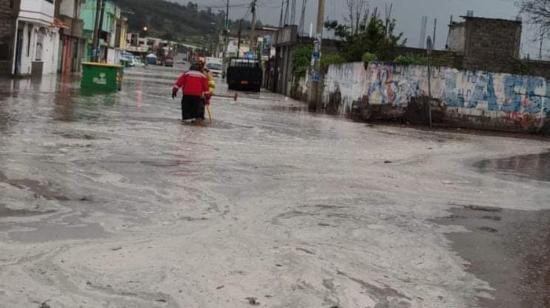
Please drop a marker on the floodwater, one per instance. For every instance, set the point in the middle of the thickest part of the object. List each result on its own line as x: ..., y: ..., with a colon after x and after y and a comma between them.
x: 508, y: 248
x: 531, y: 166
x: 109, y: 201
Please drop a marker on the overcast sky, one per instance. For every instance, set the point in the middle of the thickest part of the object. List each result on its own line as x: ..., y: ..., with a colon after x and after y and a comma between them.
x: 407, y: 12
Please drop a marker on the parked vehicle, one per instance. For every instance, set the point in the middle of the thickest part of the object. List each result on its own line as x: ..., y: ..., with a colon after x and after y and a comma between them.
x: 127, y: 59
x: 244, y: 74
x: 151, y: 59
x: 169, y: 61
x: 215, y: 68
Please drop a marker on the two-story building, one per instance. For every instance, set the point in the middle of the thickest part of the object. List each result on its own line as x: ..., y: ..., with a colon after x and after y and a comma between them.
x: 113, y: 28
x: 72, y: 42
x: 37, y: 39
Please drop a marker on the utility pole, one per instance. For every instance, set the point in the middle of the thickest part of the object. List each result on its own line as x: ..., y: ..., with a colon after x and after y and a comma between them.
x: 227, y: 16
x: 101, y: 14
x: 541, y: 43
x: 435, y: 32
x: 320, y: 18
x: 226, y: 31
x: 315, y: 78
x: 239, y: 39
x: 282, y: 14
x: 293, y: 12
x: 301, y: 27
x: 285, y: 22
x: 97, y: 27
x: 253, y: 30
x: 429, y: 49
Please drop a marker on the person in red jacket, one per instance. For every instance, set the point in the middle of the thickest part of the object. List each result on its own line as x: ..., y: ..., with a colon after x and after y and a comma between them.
x: 194, y: 86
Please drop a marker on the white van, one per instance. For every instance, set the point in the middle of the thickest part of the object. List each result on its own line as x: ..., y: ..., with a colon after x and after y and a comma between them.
x: 215, y: 66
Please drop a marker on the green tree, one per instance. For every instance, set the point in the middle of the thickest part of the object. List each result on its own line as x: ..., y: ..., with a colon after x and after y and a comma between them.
x: 301, y: 60
x: 371, y: 35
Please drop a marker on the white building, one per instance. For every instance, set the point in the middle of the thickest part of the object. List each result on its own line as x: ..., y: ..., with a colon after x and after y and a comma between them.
x: 37, y: 39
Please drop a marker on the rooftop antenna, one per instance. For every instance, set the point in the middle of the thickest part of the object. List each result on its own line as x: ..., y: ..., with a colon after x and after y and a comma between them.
x: 435, y: 32
x: 303, y: 17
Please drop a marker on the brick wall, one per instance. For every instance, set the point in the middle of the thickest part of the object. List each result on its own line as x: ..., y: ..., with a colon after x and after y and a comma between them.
x: 491, y: 44
x: 7, y: 33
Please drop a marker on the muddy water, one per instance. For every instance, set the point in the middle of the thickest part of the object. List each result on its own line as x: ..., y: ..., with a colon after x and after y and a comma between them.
x: 108, y: 200
x: 534, y: 166
x: 510, y: 249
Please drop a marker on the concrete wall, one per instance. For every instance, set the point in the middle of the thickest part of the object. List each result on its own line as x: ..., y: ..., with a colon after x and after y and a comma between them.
x: 44, y: 50
x: 464, y: 98
x: 344, y: 85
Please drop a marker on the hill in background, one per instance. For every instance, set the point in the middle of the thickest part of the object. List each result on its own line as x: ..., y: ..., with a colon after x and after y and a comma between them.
x: 173, y: 21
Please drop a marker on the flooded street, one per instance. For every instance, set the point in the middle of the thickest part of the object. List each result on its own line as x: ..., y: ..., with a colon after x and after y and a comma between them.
x: 109, y: 201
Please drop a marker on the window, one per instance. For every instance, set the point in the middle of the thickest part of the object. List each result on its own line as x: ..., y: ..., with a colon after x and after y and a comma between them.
x: 40, y: 44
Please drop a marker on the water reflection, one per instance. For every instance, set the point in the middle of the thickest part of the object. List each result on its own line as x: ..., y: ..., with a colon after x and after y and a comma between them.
x: 535, y: 166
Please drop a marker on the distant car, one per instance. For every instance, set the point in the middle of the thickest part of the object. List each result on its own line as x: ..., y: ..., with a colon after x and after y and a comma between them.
x: 169, y: 61
x: 137, y: 62
x: 127, y: 59
x: 215, y: 69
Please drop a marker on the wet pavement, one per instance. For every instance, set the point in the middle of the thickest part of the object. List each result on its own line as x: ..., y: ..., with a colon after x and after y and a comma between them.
x: 109, y: 201
x: 508, y: 248
x: 532, y: 166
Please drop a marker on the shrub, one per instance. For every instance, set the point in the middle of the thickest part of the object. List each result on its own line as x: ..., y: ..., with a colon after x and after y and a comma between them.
x: 331, y: 58
x: 411, y: 59
x: 369, y: 57
x: 301, y: 60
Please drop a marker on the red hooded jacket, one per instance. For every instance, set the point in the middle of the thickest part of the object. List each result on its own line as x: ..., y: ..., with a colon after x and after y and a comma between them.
x: 192, y: 83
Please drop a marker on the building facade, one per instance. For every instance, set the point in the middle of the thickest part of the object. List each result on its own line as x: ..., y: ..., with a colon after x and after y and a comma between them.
x: 71, y: 44
x: 486, y: 43
x: 36, y: 39
x: 113, y: 27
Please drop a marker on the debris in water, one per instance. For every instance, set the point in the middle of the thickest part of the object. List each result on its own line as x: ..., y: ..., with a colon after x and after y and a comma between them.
x: 253, y: 301
x: 45, y: 305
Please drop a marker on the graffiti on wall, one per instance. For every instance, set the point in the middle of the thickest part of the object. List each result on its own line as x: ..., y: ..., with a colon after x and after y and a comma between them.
x: 470, y: 93
x: 346, y: 82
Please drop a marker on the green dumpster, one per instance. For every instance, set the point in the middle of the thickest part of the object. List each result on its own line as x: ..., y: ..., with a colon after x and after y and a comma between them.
x: 101, y: 77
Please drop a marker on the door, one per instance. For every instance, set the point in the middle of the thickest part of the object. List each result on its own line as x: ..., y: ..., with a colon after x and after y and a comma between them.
x: 18, y: 51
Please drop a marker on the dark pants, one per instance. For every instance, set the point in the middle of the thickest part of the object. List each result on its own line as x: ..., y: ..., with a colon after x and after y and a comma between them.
x: 192, y: 107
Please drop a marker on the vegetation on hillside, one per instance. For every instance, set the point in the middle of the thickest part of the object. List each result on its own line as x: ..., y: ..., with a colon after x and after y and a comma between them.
x: 173, y: 21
